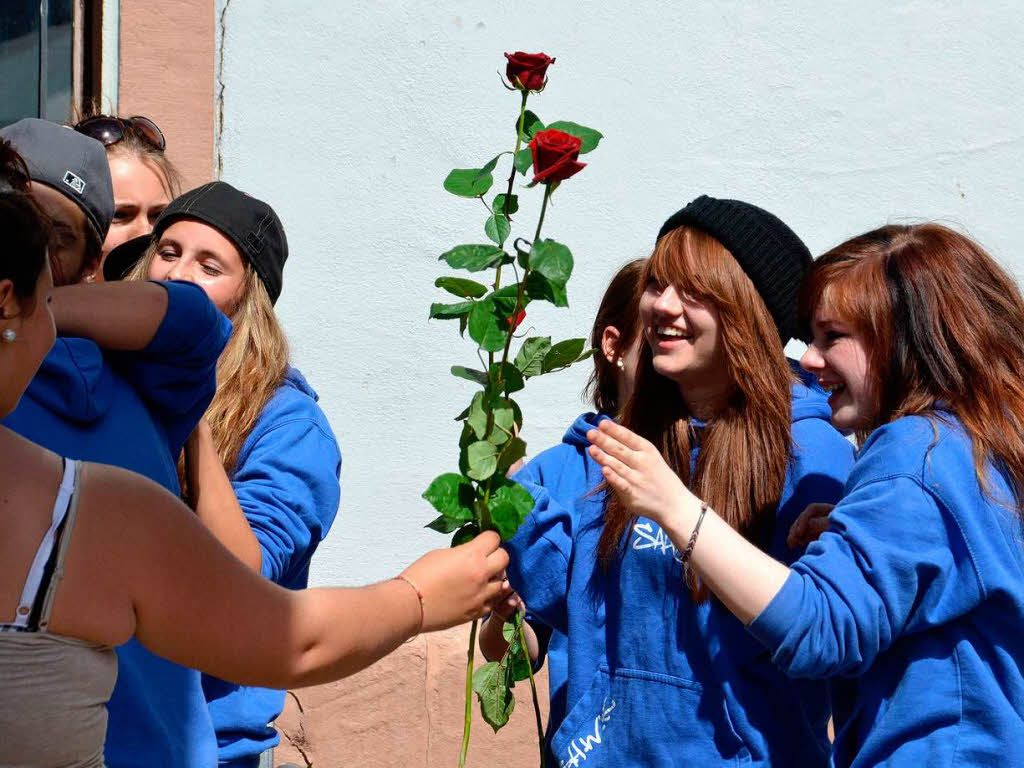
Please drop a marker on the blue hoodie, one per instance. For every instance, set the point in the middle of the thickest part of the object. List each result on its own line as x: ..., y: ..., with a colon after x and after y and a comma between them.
x: 913, y: 602
x: 286, y: 481
x: 136, y: 410
x: 654, y: 679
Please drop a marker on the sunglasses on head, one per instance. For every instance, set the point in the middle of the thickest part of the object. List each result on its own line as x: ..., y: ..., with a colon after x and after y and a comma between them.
x: 110, y: 130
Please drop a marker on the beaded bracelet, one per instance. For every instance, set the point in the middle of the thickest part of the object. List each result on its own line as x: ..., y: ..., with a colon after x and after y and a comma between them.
x: 685, y: 559
x: 419, y: 595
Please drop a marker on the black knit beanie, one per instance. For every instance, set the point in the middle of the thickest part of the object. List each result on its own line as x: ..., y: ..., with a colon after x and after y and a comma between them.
x: 770, y: 253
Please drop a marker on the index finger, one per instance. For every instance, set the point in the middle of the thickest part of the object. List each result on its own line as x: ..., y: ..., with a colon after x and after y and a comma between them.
x: 627, y: 437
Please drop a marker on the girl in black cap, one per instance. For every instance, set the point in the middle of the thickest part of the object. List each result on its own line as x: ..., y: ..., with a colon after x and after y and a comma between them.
x: 92, y: 555
x: 659, y: 673
x: 262, y: 468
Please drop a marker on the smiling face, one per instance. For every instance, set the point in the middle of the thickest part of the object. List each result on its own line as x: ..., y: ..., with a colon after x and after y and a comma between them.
x: 684, y: 335
x: 139, y: 197
x: 197, y: 253
x: 838, y: 356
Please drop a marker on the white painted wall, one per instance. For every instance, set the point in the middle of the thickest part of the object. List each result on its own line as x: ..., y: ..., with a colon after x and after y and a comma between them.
x: 347, y: 117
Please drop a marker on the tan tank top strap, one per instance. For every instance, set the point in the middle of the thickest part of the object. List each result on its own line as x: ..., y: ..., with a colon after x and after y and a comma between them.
x: 62, y: 549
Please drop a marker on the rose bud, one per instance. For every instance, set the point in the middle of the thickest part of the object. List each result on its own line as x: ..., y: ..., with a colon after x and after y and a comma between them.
x: 526, y: 70
x: 515, y: 321
x: 555, y: 156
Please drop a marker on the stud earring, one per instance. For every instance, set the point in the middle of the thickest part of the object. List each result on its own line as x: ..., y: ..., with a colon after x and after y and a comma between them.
x: 619, y: 363
x: 9, y: 335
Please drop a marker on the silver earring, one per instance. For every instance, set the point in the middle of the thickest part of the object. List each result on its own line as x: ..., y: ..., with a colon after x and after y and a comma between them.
x: 9, y: 335
x: 619, y: 363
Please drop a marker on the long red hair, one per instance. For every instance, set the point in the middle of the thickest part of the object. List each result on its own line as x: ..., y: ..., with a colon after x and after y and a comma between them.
x: 941, y: 322
x: 744, y: 451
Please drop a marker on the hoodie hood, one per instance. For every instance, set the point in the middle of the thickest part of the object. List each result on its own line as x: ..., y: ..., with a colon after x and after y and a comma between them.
x: 577, y: 433
x: 810, y: 401
x: 73, y: 381
x: 294, y: 379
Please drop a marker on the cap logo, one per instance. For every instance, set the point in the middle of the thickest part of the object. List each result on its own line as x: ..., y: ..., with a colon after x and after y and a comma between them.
x: 75, y: 182
x: 255, y: 241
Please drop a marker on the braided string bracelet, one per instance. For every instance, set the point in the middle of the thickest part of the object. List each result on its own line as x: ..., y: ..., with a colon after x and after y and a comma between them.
x: 419, y: 596
x: 688, y: 552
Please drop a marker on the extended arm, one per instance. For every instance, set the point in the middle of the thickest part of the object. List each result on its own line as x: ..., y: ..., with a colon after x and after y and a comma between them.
x: 117, y: 316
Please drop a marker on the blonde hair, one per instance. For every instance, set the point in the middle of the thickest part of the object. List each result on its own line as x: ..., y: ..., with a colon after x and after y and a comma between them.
x: 251, y: 368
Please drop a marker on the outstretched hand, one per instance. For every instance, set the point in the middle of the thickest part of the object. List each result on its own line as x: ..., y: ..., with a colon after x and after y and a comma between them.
x: 637, y: 472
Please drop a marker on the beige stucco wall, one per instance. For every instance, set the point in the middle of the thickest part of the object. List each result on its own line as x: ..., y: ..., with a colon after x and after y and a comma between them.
x: 167, y: 71
x: 406, y: 710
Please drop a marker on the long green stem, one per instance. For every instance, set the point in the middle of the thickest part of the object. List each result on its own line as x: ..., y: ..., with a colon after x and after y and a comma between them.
x: 512, y: 173
x: 533, y: 690
x: 543, y: 210
x: 468, y: 719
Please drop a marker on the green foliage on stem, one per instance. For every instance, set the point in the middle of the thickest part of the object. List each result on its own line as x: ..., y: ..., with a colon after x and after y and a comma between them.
x: 468, y: 182
x: 486, y: 326
x: 498, y: 206
x: 530, y: 359
x: 473, y: 257
x: 450, y: 311
x: 498, y: 228
x: 462, y: 287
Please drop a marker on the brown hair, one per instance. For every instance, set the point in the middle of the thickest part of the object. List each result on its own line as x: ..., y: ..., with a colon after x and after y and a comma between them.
x: 26, y: 228
x: 619, y: 308
x: 941, y: 322
x: 251, y: 368
x: 744, y: 451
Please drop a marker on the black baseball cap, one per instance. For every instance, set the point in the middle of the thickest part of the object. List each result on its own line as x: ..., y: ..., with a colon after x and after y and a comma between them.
x: 250, y: 224
x: 73, y: 164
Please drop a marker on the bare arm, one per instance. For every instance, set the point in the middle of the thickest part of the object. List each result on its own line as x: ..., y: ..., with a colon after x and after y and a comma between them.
x: 741, y: 575
x: 214, y: 498
x: 120, y: 316
x: 139, y: 552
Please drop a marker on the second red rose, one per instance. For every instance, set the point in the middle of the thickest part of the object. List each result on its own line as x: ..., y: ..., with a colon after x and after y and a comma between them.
x: 555, y: 156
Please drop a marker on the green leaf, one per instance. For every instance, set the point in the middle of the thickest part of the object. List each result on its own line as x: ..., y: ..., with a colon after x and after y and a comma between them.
x: 468, y: 182
x: 587, y: 353
x: 473, y: 257
x: 487, y: 169
x: 482, y: 458
x: 498, y: 206
x: 477, y: 418
x: 498, y: 228
x: 523, y: 160
x: 551, y: 259
x: 504, y: 421
x: 511, y: 452
x: 531, y: 125
x: 463, y: 322
x: 451, y: 495
x: 510, y: 505
x: 496, y: 700
x: 589, y: 136
x: 505, y: 299
x: 465, y: 534
x: 531, y: 355
x: 563, y: 354
x: 486, y: 328
x: 511, y: 377
x: 461, y: 286
x: 540, y: 288
x: 450, y: 311
x: 551, y: 264
x: 470, y: 374
x: 445, y: 524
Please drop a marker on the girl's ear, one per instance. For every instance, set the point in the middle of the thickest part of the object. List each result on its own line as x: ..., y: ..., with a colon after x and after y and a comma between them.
x: 9, y: 304
x: 610, y: 343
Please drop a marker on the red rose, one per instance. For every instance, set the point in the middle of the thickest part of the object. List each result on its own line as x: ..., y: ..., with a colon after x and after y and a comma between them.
x: 515, y: 321
x: 555, y: 156
x: 526, y: 70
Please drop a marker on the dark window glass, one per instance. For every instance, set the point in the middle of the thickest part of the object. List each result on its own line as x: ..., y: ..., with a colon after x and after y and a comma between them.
x: 19, y: 60
x: 60, y: 39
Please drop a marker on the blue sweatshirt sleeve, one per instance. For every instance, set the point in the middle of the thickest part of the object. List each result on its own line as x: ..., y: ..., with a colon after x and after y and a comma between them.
x: 539, y: 557
x: 894, y: 562
x: 287, y: 485
x: 176, y: 372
